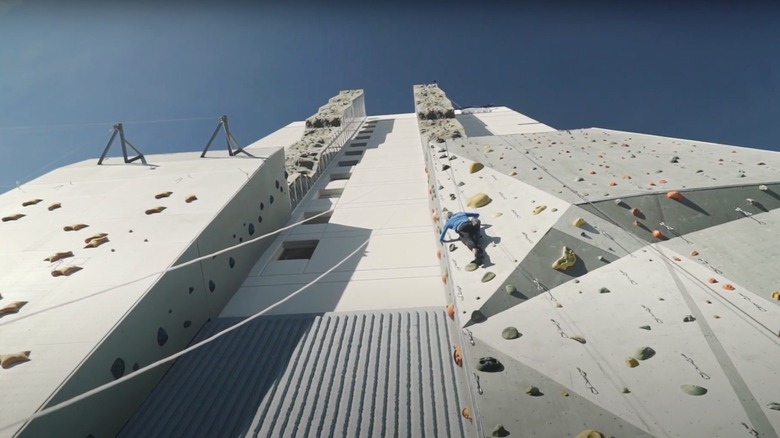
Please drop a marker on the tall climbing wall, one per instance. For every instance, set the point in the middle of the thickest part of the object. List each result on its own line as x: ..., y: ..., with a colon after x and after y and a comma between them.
x: 629, y: 288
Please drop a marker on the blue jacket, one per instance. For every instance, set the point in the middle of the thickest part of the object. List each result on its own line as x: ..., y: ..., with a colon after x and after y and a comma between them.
x: 455, y: 221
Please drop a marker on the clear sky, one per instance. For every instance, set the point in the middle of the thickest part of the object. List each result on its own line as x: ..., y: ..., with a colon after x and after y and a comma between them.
x: 68, y: 69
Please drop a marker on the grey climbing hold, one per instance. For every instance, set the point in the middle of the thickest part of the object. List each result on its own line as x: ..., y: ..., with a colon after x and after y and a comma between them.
x: 603, y: 259
x: 644, y: 353
x: 510, y: 333
x: 470, y: 267
x: 477, y: 316
x: 604, y: 290
x: 510, y: 289
x: 443, y: 156
x: 441, y: 187
x: 774, y: 406
x: 453, y: 247
x: 693, y: 389
x: 445, y: 167
x: 618, y: 202
x: 689, y: 318
x: 452, y: 196
x: 674, y: 159
x: 500, y: 431
x: 489, y: 365
x: 579, y: 339
x: 579, y: 178
x: 625, y: 391
x: 645, y: 327
x: 461, y: 184
x: 488, y: 276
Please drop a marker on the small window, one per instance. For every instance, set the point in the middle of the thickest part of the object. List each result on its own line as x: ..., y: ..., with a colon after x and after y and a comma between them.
x: 324, y: 219
x: 362, y: 137
x: 348, y: 163
x: 357, y: 145
x: 330, y: 193
x: 340, y: 176
x: 358, y: 152
x: 298, y: 249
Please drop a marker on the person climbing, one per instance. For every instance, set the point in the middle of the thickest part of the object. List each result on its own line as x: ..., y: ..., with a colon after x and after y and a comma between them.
x: 467, y: 226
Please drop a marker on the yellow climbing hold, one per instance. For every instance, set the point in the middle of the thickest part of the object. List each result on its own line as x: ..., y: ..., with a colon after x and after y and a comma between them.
x: 776, y: 295
x: 590, y: 434
x: 478, y: 200
x: 58, y: 256
x: 498, y: 214
x: 539, y: 209
x: 475, y: 167
x: 631, y: 362
x: 9, y: 360
x: 55, y: 206
x: 13, y: 217
x: 579, y: 222
x: 154, y: 210
x: 513, y: 173
x: 94, y: 243
x: 567, y: 260
x: 162, y: 195
x: 65, y: 271
x: 74, y: 227
x: 95, y: 236
x: 12, y: 307
x: 31, y: 202
x: 579, y: 339
x: 190, y: 198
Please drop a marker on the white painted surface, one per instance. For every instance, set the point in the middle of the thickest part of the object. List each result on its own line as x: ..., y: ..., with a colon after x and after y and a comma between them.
x: 501, y: 120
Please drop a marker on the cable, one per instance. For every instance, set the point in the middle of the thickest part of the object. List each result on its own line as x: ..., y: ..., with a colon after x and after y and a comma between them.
x: 167, y: 359
x: 88, y: 124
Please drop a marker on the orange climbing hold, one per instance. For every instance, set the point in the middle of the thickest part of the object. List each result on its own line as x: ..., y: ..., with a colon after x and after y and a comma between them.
x: 465, y: 413
x: 438, y: 253
x: 451, y: 311
x: 712, y: 280
x: 457, y: 356
x: 694, y: 253
x: 663, y: 181
x: 657, y: 234
x: 677, y: 196
x: 728, y: 286
x: 677, y: 259
x: 444, y: 277
x: 776, y: 295
x: 612, y: 183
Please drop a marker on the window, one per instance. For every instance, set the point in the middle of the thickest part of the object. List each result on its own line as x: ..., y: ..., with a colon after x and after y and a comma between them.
x: 324, y: 219
x: 348, y: 163
x: 340, y: 176
x: 355, y: 145
x: 298, y: 249
x: 362, y: 137
x: 330, y: 193
x: 358, y: 152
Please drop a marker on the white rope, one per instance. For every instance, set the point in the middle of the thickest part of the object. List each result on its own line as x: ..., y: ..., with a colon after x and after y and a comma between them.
x: 89, y: 124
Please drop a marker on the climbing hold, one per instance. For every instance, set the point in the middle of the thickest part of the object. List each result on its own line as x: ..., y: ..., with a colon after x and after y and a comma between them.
x: 604, y: 290
x: 774, y: 406
x: 74, y: 227
x: 763, y: 188
x: 58, y: 256
x: 9, y: 360
x: 478, y: 200
x: 475, y: 167
x: 497, y: 214
x: 489, y: 365
x: 95, y: 242
x: 590, y: 434
x: 438, y: 253
x: 636, y: 212
x: 579, y: 179
x: 657, y: 234
x: 564, y: 394
x: 452, y: 247
x: 465, y: 413
x: 162, y: 195
x: 435, y: 217
x: 674, y: 159
x: 712, y: 280
x: 513, y: 173
x: 54, y: 206
x: 477, y: 317
x: 677, y: 196
x: 499, y: 431
x: 558, y: 305
x: 510, y: 289
x: 689, y: 318
x: 451, y: 311
x: 728, y: 286
x: 602, y: 259
x: 470, y: 267
x: 776, y: 295
x: 612, y: 183
x: 693, y: 389
x: 631, y: 362
x: 190, y: 198
x: 567, y: 259
x: 750, y: 201
x: 444, y: 277
x: 445, y: 167
x: 488, y: 276
x: 619, y: 202
x: 452, y: 196
x: 625, y: 390
x: 13, y: 217
x: 457, y: 356
x: 461, y: 184
x: 645, y: 327
x: 532, y: 391
x: 694, y: 253
x: 31, y: 202
x: 553, y: 209
x: 676, y: 259
x: 579, y: 222
x: 579, y: 339
x: 12, y: 307
x: 539, y: 209
x: 510, y: 333
x: 65, y: 271
x: 644, y: 353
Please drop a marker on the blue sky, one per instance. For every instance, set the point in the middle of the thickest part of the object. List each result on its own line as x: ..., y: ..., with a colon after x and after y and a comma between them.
x: 706, y: 72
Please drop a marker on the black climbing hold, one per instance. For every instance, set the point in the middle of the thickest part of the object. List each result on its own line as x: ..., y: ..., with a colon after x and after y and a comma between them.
x: 489, y: 365
x: 162, y: 336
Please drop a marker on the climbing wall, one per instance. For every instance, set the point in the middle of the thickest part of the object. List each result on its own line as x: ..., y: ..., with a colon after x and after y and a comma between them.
x: 629, y: 287
x: 84, y: 296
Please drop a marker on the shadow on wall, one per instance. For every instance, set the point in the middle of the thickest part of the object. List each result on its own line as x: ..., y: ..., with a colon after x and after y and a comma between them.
x: 246, y: 379
x: 472, y: 125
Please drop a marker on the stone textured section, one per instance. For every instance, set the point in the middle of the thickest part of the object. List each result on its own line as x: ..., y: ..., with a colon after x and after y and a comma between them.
x: 337, y: 374
x: 435, y: 114
x: 321, y: 129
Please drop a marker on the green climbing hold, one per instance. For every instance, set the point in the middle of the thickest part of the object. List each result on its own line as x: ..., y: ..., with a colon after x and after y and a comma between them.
x: 693, y: 389
x: 470, y: 267
x: 488, y: 276
x: 510, y: 289
x: 510, y: 333
x: 477, y: 316
x: 644, y: 353
x: 532, y: 391
x: 645, y: 327
x: 604, y: 290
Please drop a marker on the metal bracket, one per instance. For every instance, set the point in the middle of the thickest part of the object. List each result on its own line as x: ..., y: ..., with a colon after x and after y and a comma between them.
x: 117, y: 129
x: 230, y: 141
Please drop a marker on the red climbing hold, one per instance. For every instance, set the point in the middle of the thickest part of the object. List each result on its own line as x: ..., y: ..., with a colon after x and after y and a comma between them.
x: 677, y: 196
x: 657, y: 234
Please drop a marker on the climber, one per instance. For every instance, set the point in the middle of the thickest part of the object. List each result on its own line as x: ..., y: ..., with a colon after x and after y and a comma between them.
x: 467, y: 226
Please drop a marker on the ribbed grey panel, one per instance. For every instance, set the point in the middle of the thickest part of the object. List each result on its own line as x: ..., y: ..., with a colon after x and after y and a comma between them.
x: 338, y: 374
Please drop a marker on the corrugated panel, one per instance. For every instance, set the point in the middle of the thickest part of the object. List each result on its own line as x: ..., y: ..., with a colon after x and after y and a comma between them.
x: 338, y: 374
